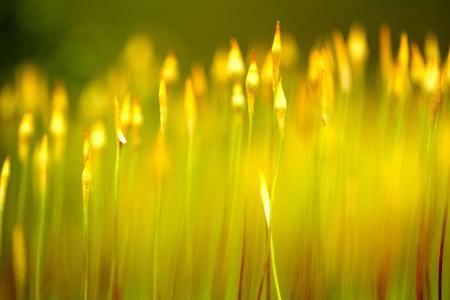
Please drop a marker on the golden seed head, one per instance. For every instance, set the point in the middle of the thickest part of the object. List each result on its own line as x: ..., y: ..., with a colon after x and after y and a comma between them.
x: 235, y: 64
x: 324, y: 97
x: 280, y: 107
x: 435, y: 101
x: 162, y: 102
x: 120, y: 138
x: 137, y: 122
x: 403, y: 52
x: 125, y: 114
x: 26, y: 130
x: 98, y: 136
x: 170, y: 68
x: 276, y: 55
x: 265, y: 197
x: 4, y: 179
x: 252, y: 83
x: 237, y: 98
x: 357, y: 44
x: 43, y: 163
x: 19, y: 256
x: 86, y: 176
x: 189, y: 106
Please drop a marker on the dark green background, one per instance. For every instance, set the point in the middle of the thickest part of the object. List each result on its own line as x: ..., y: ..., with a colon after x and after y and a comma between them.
x: 76, y: 39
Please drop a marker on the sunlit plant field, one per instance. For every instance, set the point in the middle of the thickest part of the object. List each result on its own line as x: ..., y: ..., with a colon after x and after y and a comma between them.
x: 257, y: 177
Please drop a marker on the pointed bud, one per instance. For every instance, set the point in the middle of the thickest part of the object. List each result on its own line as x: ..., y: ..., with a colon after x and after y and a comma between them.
x: 43, y: 163
x: 252, y: 84
x: 138, y: 121
x: 345, y: 73
x: 98, y: 136
x: 403, y: 52
x: 237, y: 98
x: 162, y: 102
x: 189, y: 106
x: 58, y: 122
x: 125, y: 114
x: 235, y: 64
x: 86, y: 176
x: 276, y: 55
x: 26, y: 130
x: 280, y: 107
x: 170, y: 69
x: 417, y: 64
x: 357, y: 45
x: 120, y: 138
x: 432, y: 51
x: 386, y: 60
x: 4, y: 179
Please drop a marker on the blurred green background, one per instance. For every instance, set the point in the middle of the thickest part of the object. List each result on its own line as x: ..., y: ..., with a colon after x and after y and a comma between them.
x: 76, y: 39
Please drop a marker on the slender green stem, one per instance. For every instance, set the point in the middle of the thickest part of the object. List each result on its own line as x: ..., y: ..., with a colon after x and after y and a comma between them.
x: 189, y: 236
x: 127, y: 216
x: 157, y: 220
x: 113, y: 274
x: 86, y: 249
x: 270, y: 251
x: 1, y: 231
x: 41, y: 221
x: 22, y: 193
x: 244, y: 235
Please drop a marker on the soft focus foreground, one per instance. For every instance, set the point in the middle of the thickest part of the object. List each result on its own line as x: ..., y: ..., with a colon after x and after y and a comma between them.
x: 324, y: 178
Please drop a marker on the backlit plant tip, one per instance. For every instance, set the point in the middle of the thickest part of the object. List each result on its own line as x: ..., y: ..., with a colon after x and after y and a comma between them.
x: 137, y: 123
x: 4, y: 179
x: 189, y: 106
x: 120, y: 138
x: 26, y: 131
x: 276, y: 55
x: 280, y: 107
x: 252, y: 83
x: 235, y: 64
x: 162, y: 102
x: 237, y: 98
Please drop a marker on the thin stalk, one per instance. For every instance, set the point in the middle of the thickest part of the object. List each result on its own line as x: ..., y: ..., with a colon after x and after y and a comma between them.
x: 223, y: 248
x: 441, y: 251
x: 22, y: 193
x: 270, y: 250
x: 419, y: 259
x: 1, y: 231
x: 126, y: 231
x: 157, y: 221
x: 113, y: 275
x: 86, y: 250
x: 189, y: 236
x: 244, y: 235
x: 41, y: 221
